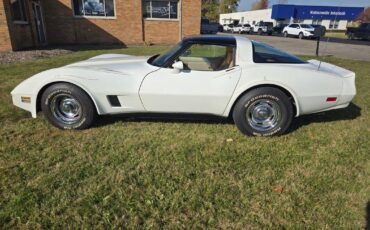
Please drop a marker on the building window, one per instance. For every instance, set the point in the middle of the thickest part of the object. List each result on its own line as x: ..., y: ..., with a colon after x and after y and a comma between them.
x: 18, y: 8
x: 316, y: 21
x: 160, y: 9
x: 333, y: 24
x: 97, y: 8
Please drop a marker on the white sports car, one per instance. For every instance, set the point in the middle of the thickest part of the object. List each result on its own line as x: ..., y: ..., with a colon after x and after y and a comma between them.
x: 260, y: 87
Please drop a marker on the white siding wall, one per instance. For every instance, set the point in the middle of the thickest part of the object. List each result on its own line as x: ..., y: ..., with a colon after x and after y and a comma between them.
x: 248, y: 16
x: 326, y: 23
x: 342, y: 25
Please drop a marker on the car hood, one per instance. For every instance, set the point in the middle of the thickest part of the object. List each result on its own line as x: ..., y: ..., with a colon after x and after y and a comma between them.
x: 118, y: 63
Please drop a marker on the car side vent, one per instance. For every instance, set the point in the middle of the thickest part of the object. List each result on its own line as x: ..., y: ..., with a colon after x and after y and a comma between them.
x: 113, y: 101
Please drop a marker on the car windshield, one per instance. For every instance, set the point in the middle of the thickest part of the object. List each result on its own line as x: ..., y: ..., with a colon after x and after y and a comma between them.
x: 263, y: 53
x: 160, y: 60
x: 306, y: 26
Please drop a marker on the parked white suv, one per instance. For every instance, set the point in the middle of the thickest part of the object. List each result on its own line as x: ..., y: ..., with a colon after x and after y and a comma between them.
x: 263, y: 28
x: 228, y: 27
x: 299, y: 30
x: 245, y: 28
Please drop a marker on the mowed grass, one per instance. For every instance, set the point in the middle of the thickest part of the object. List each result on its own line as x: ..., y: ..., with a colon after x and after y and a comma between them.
x: 339, y: 34
x: 160, y: 173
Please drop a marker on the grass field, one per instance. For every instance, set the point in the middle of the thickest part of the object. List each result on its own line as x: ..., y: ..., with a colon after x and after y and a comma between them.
x: 336, y: 35
x: 158, y: 173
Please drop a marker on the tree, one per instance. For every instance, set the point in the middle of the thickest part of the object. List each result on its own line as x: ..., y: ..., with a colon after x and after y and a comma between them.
x: 228, y: 6
x: 212, y: 9
x: 260, y: 4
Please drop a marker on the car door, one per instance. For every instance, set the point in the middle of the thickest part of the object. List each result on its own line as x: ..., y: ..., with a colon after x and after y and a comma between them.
x: 292, y: 29
x: 288, y: 29
x: 297, y: 29
x: 205, y: 85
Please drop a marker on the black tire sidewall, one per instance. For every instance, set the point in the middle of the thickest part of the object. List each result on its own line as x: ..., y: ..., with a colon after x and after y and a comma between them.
x: 87, y: 107
x: 273, y: 94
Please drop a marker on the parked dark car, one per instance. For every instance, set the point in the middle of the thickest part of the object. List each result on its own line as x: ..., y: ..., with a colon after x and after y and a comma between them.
x: 361, y: 32
x: 278, y: 29
x: 323, y: 28
x: 207, y: 27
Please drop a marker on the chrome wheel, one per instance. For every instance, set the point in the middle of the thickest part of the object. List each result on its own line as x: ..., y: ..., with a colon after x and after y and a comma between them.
x: 65, y: 109
x: 263, y: 115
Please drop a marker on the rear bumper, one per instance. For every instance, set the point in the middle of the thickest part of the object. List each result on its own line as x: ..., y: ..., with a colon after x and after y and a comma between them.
x: 348, y: 91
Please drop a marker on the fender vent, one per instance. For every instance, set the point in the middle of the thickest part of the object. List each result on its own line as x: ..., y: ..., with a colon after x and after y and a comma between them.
x: 113, y: 101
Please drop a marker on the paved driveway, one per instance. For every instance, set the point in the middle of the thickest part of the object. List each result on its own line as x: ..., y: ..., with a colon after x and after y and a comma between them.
x: 358, y: 50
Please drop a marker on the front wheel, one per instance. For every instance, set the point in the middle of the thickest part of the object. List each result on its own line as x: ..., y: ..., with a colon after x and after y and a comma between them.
x: 300, y: 36
x: 265, y: 111
x: 68, y: 107
x: 285, y: 34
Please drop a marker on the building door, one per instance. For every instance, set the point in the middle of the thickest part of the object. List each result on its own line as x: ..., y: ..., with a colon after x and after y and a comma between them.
x: 39, y: 22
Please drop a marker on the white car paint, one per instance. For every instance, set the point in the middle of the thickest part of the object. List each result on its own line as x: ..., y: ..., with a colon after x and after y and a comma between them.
x: 295, y: 29
x: 241, y: 29
x: 142, y: 87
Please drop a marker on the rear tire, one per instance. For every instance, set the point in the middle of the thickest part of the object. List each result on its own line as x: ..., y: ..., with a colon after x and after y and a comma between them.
x: 66, y: 106
x: 264, y: 111
x: 259, y: 32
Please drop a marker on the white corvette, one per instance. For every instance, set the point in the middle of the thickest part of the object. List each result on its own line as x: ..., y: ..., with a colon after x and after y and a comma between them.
x: 260, y: 87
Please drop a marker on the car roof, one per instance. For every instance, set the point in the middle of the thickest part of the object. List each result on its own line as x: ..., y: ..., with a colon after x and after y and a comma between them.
x: 212, y: 39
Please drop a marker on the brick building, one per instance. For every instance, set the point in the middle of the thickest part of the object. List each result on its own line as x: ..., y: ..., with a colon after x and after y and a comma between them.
x: 34, y: 23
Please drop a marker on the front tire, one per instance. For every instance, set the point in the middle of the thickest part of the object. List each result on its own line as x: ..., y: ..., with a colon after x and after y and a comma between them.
x: 265, y: 111
x: 285, y: 34
x: 66, y: 106
x: 300, y: 36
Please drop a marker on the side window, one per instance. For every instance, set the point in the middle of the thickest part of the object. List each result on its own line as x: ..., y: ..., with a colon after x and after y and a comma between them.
x: 204, y: 57
x: 18, y: 9
x: 263, y: 53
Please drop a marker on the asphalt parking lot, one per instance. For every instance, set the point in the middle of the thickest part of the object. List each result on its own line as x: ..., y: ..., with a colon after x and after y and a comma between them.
x: 341, y: 48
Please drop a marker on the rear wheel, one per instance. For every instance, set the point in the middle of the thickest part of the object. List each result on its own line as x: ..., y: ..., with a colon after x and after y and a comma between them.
x: 68, y: 107
x: 259, y: 31
x: 265, y: 111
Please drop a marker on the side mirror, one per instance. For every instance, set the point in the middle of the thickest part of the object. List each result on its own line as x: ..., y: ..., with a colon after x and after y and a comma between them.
x: 178, y: 66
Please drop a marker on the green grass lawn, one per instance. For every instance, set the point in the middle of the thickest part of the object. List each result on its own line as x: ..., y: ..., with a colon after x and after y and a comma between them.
x: 336, y: 35
x: 155, y: 173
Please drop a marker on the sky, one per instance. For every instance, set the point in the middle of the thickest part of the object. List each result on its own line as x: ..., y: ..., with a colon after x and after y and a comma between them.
x: 246, y: 4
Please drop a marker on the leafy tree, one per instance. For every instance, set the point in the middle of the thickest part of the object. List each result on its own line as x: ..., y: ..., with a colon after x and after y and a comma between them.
x: 228, y: 6
x: 211, y: 9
